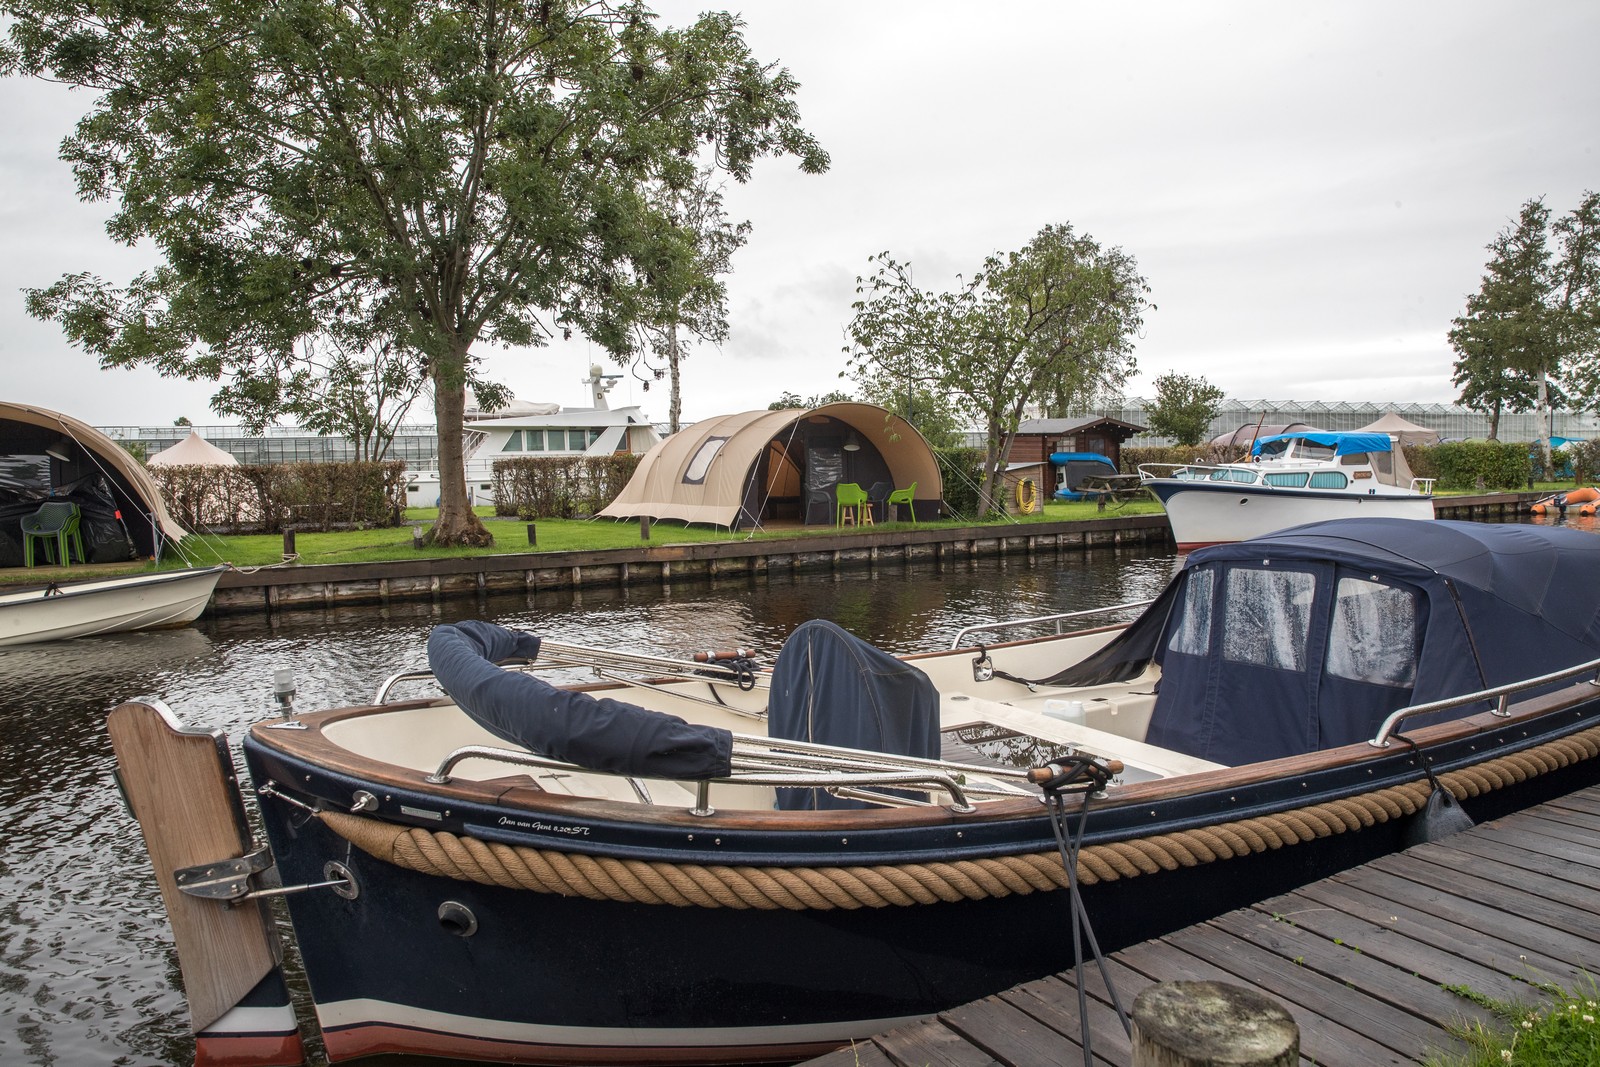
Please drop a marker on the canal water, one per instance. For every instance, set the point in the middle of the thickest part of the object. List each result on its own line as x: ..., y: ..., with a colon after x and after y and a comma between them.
x: 88, y: 976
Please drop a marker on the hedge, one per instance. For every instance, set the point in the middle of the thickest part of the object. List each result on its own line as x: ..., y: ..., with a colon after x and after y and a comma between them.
x: 269, y: 498
x: 560, y: 487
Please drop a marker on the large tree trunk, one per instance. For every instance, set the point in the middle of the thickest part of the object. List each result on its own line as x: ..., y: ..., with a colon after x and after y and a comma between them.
x: 456, y: 525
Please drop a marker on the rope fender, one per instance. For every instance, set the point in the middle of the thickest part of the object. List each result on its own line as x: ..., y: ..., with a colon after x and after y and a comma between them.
x: 471, y: 859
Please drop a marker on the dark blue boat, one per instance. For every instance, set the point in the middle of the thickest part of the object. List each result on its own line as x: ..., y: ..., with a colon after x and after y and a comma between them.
x: 848, y: 841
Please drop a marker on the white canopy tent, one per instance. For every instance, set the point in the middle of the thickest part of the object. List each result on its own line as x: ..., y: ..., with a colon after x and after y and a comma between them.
x: 1406, y: 431
x: 193, y: 451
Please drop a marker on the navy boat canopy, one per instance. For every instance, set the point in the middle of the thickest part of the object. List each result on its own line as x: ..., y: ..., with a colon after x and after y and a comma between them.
x: 1343, y: 444
x: 830, y: 687
x: 1308, y: 638
x: 599, y: 733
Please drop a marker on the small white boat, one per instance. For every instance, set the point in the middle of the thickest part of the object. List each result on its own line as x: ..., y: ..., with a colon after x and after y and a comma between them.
x: 106, y: 605
x: 1291, y: 479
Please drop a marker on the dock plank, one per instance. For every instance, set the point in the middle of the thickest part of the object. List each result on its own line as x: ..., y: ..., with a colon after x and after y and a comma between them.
x: 1412, y: 951
x: 1364, y: 959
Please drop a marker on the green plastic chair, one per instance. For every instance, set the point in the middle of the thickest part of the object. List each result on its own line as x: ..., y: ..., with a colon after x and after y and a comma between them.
x: 905, y: 496
x: 55, y: 524
x: 851, y: 497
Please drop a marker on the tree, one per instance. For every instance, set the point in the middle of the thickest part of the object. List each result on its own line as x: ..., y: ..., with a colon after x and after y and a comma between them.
x: 688, y: 293
x: 1577, y: 305
x: 1184, y: 407
x: 1062, y: 308
x: 816, y: 400
x: 934, y: 416
x: 1507, y: 351
x: 436, y: 172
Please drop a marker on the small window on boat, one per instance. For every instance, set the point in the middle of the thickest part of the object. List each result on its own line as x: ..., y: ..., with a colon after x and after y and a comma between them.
x: 1354, y: 459
x: 1329, y: 480
x: 1192, y: 636
x: 1288, y: 479
x: 1313, y: 450
x: 535, y: 440
x: 1229, y: 475
x: 513, y: 443
x: 1374, y: 633
x: 1266, y: 617
x: 577, y: 440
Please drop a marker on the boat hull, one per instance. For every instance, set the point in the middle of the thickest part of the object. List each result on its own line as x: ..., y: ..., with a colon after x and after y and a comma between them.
x: 550, y: 978
x: 1212, y: 513
x: 106, y: 606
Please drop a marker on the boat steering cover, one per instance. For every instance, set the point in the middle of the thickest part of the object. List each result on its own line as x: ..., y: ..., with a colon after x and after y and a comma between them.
x: 599, y: 733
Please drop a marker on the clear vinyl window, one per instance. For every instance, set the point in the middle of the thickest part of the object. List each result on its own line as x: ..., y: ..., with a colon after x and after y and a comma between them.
x: 1266, y: 617
x: 1192, y: 635
x: 1374, y: 633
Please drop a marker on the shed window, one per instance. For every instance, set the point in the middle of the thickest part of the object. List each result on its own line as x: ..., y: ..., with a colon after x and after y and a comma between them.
x: 1267, y: 616
x: 1374, y: 633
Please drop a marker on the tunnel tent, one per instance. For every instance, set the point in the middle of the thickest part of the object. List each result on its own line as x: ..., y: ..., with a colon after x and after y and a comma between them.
x: 45, y: 455
x: 759, y: 467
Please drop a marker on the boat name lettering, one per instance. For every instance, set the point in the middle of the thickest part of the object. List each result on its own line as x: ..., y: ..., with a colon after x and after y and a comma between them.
x: 543, y: 827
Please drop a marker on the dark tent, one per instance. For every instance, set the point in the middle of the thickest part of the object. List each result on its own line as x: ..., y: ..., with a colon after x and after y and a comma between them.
x: 1308, y: 638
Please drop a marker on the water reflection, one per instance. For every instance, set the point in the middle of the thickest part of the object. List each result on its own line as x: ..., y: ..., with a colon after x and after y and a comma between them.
x: 87, y: 973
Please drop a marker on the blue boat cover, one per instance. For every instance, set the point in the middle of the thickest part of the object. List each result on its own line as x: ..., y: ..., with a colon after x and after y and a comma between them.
x: 1308, y: 638
x: 830, y: 687
x: 599, y: 733
x: 1343, y: 444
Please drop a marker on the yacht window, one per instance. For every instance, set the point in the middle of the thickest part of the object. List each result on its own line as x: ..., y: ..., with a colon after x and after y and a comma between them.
x: 1374, y: 633
x: 535, y: 440
x: 1329, y: 480
x: 514, y: 442
x: 1192, y: 636
x: 594, y: 435
x: 1312, y: 450
x: 1353, y: 459
x: 1288, y: 479
x: 577, y: 440
x: 1229, y: 475
x: 1266, y: 617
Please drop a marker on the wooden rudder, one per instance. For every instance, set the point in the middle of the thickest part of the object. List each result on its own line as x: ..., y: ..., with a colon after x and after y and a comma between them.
x: 180, y: 784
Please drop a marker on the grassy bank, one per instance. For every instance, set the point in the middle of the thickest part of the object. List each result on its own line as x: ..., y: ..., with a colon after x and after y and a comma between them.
x: 511, y: 536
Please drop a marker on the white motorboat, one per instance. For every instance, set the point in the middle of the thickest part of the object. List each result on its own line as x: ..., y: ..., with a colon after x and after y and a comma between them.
x: 106, y: 605
x: 1291, y: 479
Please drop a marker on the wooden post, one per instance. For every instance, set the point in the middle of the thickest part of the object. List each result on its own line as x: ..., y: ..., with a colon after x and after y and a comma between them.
x: 288, y: 544
x: 533, y: 534
x: 644, y: 527
x: 1191, y: 1024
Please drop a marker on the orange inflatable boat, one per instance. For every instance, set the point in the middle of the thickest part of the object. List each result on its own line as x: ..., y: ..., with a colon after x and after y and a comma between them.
x: 1584, y: 499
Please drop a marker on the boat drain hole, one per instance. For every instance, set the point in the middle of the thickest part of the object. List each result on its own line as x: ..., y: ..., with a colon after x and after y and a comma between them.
x: 457, y: 919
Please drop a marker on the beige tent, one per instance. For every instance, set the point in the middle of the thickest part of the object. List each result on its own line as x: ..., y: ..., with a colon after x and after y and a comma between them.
x: 1408, y: 432
x: 73, y: 458
x: 193, y: 451
x: 759, y: 467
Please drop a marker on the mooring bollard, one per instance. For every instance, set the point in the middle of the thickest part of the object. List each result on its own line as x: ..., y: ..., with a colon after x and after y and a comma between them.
x: 533, y: 534
x: 644, y: 527
x: 1189, y: 1024
x: 288, y: 545
x: 416, y: 537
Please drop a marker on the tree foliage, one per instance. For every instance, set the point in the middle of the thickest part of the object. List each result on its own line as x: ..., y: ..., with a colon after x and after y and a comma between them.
x: 1060, y: 314
x: 1183, y: 407
x: 1530, y: 337
x: 439, y: 173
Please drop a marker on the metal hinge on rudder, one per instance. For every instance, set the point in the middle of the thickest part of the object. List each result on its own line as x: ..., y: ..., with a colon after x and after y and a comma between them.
x: 254, y: 876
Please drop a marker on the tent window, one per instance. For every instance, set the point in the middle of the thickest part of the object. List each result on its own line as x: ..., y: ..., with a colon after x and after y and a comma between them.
x: 514, y: 442
x: 1192, y: 637
x: 695, y: 473
x: 535, y: 440
x: 1374, y: 633
x: 1266, y: 617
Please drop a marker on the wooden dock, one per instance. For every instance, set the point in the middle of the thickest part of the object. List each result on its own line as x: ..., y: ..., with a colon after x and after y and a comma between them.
x: 1361, y: 960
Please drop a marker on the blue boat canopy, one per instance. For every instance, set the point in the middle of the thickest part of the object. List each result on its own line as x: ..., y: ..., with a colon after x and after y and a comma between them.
x: 1343, y: 444
x: 1306, y: 639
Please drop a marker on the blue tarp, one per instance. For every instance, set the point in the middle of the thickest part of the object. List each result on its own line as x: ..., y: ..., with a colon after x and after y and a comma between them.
x: 1308, y: 638
x: 1343, y: 444
x: 600, y: 733
x: 1079, y: 465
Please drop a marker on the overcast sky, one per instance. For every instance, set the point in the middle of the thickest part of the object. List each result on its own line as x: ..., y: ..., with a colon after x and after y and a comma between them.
x: 1307, y: 188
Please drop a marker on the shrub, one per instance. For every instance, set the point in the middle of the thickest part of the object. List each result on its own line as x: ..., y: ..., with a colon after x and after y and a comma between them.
x: 560, y: 487
x: 269, y: 498
x: 1468, y: 465
x: 962, y: 472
